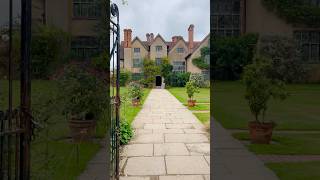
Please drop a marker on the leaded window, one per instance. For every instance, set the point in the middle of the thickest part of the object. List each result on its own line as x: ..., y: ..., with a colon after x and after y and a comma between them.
x: 86, y: 9
x: 136, y: 50
x: 84, y: 47
x: 158, y: 48
x: 226, y: 18
x: 206, y: 74
x: 158, y: 61
x: 179, y: 66
x: 137, y: 62
x: 180, y: 50
x: 309, y: 44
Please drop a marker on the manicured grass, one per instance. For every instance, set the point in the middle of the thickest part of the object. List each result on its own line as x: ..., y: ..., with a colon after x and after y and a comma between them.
x: 200, y: 107
x: 300, y: 111
x: 296, y: 171
x: 203, y: 117
x: 181, y: 95
x: 129, y: 112
x: 286, y: 144
x: 52, y: 153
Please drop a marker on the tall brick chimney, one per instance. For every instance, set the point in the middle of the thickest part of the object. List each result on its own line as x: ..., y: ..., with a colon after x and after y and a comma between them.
x: 148, y: 37
x: 191, y: 32
x: 127, y: 38
x: 151, y: 37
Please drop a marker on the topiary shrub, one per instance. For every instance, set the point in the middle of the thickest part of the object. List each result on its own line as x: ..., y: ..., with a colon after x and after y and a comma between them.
x: 177, y: 79
x: 198, y: 79
x: 285, y: 57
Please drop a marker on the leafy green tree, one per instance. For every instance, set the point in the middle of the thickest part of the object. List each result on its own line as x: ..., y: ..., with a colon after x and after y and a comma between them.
x: 150, y: 71
x: 165, y: 68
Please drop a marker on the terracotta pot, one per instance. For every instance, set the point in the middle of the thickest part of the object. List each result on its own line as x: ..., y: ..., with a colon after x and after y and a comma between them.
x: 135, y: 102
x: 191, y: 103
x: 261, y: 133
x: 82, y: 130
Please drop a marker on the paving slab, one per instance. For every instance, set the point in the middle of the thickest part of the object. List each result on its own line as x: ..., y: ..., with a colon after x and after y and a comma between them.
x: 148, y: 138
x: 199, y: 148
x: 186, y: 138
x: 138, y: 150
x: 181, y: 177
x: 170, y: 149
x: 145, y: 166
x: 187, y: 165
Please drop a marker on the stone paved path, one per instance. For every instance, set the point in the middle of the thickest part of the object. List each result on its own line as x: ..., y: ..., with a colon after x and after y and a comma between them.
x: 169, y: 143
x: 232, y: 161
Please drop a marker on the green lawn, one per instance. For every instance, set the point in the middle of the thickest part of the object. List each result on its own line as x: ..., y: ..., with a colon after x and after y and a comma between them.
x: 203, y: 117
x: 286, y: 144
x: 129, y: 112
x: 200, y: 107
x: 181, y: 95
x: 52, y: 153
x: 296, y: 171
x: 300, y: 111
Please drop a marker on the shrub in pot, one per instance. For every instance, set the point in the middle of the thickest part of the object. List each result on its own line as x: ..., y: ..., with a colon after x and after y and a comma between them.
x: 191, y: 89
x: 83, y: 99
x: 259, y: 90
x: 135, y: 93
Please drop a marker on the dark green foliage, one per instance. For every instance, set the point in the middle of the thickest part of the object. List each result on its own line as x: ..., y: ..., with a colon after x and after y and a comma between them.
x: 126, y: 132
x: 177, y: 79
x: 191, y: 88
x: 285, y: 57
x: 200, y: 62
x: 49, y: 50
x: 125, y: 77
x: 150, y: 71
x: 260, y: 87
x: 231, y: 54
x: 297, y: 12
x: 165, y: 68
x: 198, y: 79
x: 82, y: 93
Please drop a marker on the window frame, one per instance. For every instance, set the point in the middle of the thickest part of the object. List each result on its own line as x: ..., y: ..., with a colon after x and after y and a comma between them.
x: 136, y: 65
x: 85, y: 5
x: 306, y: 41
x: 134, y: 50
x: 159, y: 48
x: 178, y: 50
x: 87, y: 44
x: 181, y: 67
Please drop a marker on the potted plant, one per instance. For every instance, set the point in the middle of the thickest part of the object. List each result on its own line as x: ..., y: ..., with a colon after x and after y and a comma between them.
x: 191, y: 89
x: 135, y: 93
x: 84, y: 98
x: 259, y: 90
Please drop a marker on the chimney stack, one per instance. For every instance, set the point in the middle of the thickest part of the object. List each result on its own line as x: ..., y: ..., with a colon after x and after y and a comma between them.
x: 148, y: 37
x: 191, y: 32
x: 174, y: 39
x: 151, y: 37
x: 127, y: 38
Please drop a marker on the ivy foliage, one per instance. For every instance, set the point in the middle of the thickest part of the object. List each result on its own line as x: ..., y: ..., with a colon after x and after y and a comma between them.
x: 231, y: 54
x: 200, y: 62
x: 297, y: 12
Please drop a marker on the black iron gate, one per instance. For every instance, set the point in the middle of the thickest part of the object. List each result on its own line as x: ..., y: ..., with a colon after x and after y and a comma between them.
x: 15, y: 119
x: 115, y: 92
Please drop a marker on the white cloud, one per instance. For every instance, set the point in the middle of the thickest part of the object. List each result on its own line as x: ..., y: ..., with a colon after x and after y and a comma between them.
x: 166, y: 17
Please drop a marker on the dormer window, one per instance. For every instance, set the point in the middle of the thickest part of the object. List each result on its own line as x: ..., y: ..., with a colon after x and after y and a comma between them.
x: 180, y: 50
x: 136, y: 50
x: 158, y: 48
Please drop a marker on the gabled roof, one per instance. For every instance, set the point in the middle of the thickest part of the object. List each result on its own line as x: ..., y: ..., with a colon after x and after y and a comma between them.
x: 158, y: 36
x: 174, y: 44
x: 142, y: 43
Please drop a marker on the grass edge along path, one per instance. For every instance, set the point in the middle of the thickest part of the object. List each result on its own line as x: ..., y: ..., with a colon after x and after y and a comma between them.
x: 203, y: 102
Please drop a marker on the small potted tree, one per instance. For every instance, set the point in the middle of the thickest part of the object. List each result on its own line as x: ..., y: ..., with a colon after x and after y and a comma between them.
x: 259, y: 90
x: 135, y: 93
x: 84, y: 98
x: 191, y: 89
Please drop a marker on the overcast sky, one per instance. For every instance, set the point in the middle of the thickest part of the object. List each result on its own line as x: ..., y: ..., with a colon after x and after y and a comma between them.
x: 166, y: 17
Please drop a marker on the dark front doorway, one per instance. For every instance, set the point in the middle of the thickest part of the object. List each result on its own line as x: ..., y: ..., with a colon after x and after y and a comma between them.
x: 158, y: 80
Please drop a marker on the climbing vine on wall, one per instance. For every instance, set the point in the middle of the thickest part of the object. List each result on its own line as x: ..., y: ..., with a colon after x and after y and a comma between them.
x: 200, y: 62
x: 297, y: 12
